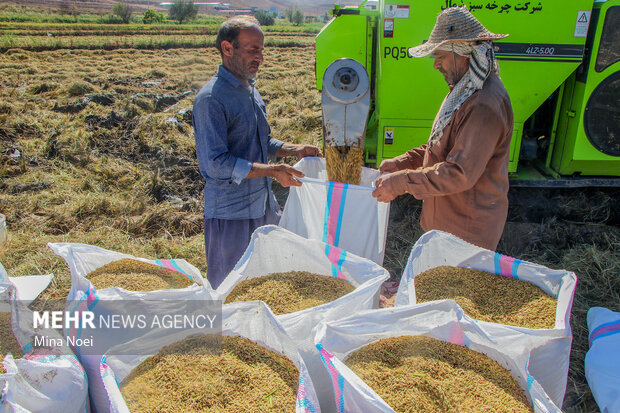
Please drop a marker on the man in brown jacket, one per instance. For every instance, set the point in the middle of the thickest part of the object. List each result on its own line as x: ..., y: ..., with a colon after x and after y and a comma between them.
x: 461, y: 173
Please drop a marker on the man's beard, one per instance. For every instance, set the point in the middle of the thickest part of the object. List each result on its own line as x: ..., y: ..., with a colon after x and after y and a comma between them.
x: 453, y: 78
x: 242, y: 71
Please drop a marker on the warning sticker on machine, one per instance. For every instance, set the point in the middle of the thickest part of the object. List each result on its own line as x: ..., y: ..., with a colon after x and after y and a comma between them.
x: 388, y: 27
x: 388, y: 136
x: 583, y: 21
x: 397, y: 11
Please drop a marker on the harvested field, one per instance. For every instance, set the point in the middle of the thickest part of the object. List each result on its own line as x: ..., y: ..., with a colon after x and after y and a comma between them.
x: 344, y: 164
x: 291, y: 291
x: 245, y: 377
x: 8, y: 343
x: 488, y: 297
x: 137, y: 276
x: 422, y: 374
x: 78, y: 167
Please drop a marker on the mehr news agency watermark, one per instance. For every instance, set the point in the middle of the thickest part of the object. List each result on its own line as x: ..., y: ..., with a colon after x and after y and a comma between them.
x: 123, y: 327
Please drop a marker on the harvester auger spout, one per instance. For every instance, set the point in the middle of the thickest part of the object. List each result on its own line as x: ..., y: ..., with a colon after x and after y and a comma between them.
x: 345, y: 103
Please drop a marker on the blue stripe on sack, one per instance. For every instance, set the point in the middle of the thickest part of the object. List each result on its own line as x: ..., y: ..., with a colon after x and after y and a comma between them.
x: 530, y: 381
x: 498, y: 265
x: 176, y: 266
x: 515, y: 268
x: 343, y: 257
x: 330, y: 191
x: 611, y: 323
x: 309, y: 406
x: 26, y: 349
x: 343, y: 200
x: 341, y: 388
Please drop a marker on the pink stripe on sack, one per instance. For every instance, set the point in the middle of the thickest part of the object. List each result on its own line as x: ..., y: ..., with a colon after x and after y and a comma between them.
x: 334, y: 373
x: 505, y: 263
x: 456, y: 335
x: 334, y: 258
x: 301, y: 389
x: 334, y: 209
x: 605, y: 329
x: 168, y: 265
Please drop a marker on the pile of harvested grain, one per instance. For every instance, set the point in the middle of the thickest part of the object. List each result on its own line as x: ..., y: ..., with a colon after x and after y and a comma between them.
x: 488, y: 297
x: 8, y: 343
x: 136, y: 275
x: 344, y: 164
x: 245, y: 377
x: 422, y: 374
x: 291, y: 291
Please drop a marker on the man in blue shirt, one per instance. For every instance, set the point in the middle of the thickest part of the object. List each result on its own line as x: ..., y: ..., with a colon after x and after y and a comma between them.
x: 234, y: 146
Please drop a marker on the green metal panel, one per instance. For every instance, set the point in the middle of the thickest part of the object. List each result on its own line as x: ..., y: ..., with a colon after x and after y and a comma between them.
x: 343, y: 37
x: 540, y: 53
x: 573, y: 152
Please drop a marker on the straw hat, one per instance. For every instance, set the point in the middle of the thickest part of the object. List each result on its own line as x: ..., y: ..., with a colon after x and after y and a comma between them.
x: 454, y: 24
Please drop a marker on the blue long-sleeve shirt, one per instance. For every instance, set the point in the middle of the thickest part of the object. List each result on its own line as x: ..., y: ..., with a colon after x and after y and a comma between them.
x: 232, y: 132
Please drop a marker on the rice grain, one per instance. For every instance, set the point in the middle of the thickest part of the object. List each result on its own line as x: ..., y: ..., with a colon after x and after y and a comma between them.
x: 136, y: 275
x: 488, y: 297
x: 290, y: 291
x: 423, y: 374
x: 344, y: 164
x: 245, y: 377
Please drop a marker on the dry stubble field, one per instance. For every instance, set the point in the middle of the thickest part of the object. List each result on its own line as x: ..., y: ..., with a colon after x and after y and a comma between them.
x: 96, y: 147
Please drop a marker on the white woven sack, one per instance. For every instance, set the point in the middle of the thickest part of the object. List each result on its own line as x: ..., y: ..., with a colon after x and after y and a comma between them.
x: 273, y: 249
x: 252, y: 320
x: 83, y: 259
x: 603, y: 359
x: 443, y: 320
x: 343, y: 215
x: 549, y: 361
x: 39, y: 383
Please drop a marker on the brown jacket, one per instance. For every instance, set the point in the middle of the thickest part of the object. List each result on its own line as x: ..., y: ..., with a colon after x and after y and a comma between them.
x: 463, y: 178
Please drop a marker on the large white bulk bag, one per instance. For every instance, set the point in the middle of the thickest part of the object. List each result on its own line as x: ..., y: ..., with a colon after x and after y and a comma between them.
x: 442, y: 320
x: 346, y: 216
x: 52, y: 380
x: 549, y: 361
x: 252, y: 320
x: 82, y: 260
x: 274, y: 249
x: 603, y: 359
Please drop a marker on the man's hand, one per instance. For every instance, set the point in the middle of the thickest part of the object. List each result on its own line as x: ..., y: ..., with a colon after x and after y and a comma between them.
x: 384, y: 191
x: 308, y: 150
x: 298, y: 151
x: 387, y: 166
x: 286, y: 175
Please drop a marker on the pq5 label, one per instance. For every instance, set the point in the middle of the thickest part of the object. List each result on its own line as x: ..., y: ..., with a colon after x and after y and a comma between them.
x: 396, y: 52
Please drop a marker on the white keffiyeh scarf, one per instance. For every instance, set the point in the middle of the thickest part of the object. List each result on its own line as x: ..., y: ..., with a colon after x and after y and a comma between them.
x: 481, y: 63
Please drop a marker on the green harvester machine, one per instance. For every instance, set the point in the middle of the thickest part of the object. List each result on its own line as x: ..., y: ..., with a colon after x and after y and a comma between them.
x: 560, y: 65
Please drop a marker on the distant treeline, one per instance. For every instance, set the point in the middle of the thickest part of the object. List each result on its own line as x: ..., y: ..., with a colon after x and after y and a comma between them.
x: 8, y: 42
x: 79, y: 29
